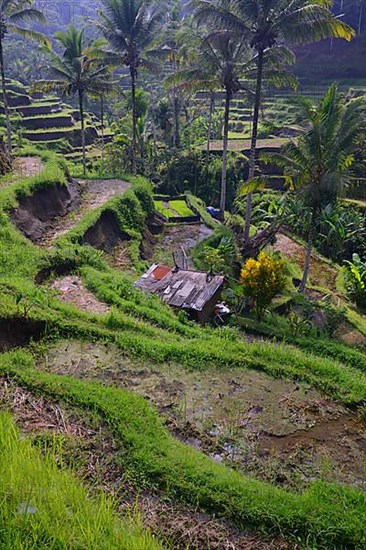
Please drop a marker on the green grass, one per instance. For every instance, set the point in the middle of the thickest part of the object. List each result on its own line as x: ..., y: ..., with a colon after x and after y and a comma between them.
x: 244, y: 144
x: 325, y: 515
x: 177, y: 208
x: 60, y: 114
x: 44, y: 507
x: 141, y: 326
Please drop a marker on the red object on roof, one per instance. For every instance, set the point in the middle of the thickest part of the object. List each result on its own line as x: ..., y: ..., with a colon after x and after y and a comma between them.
x: 160, y: 272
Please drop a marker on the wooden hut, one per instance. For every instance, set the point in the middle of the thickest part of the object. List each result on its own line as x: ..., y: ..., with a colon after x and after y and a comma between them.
x: 192, y: 291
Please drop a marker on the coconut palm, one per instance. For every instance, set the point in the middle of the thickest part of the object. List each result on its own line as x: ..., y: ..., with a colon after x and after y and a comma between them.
x: 130, y: 26
x: 12, y: 14
x: 175, y: 47
x: 267, y: 23
x: 318, y: 165
x: 222, y: 61
x: 220, y: 64
x: 78, y: 71
x: 191, y: 74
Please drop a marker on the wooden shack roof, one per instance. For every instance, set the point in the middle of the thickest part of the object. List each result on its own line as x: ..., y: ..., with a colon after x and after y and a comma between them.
x: 181, y: 288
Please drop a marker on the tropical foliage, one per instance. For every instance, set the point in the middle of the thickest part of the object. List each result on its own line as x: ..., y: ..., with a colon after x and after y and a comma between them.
x: 12, y: 14
x: 78, y: 71
x: 355, y: 279
x: 261, y: 280
x: 318, y: 165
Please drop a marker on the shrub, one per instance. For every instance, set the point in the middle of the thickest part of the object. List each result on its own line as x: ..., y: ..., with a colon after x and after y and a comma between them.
x: 355, y: 278
x: 262, y: 279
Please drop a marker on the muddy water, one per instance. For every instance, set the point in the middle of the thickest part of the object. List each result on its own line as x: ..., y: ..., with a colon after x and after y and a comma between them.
x: 178, y: 237
x: 274, y: 429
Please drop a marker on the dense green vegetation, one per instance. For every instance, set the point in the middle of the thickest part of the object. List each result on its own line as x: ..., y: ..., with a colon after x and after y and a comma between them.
x: 168, y: 430
x: 183, y: 472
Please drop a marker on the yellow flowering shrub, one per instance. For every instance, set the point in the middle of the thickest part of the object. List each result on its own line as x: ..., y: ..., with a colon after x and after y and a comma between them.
x: 262, y: 279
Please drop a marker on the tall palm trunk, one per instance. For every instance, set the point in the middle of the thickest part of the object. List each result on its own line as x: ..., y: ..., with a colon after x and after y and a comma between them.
x: 102, y: 122
x: 5, y: 97
x: 209, y: 130
x: 224, y: 155
x: 82, y: 120
x: 134, y: 117
x: 253, y: 146
x: 309, y: 249
x: 176, y: 109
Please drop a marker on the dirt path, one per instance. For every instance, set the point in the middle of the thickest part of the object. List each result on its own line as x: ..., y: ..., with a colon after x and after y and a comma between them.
x: 26, y: 167
x: 178, y: 237
x: 72, y: 291
x: 91, y: 452
x: 94, y: 194
x: 321, y: 273
x: 277, y: 430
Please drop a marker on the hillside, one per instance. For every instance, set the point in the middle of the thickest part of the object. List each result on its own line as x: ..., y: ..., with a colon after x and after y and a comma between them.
x: 182, y: 277
x: 112, y: 382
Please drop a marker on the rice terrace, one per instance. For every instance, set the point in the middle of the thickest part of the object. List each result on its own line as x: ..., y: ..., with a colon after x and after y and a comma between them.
x: 183, y: 275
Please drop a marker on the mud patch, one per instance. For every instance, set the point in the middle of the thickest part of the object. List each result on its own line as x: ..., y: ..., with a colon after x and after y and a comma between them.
x: 91, y: 452
x: 274, y: 429
x: 16, y: 332
x: 72, y: 291
x: 35, y: 214
x: 177, y: 238
x: 106, y: 233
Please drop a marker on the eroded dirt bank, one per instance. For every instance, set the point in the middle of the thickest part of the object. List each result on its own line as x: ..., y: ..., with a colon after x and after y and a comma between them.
x: 52, y: 212
x: 35, y: 214
x: 18, y: 331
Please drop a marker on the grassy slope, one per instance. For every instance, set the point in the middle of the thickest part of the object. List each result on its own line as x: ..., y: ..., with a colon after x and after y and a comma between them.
x: 142, y: 326
x: 325, y: 513
x: 48, y: 508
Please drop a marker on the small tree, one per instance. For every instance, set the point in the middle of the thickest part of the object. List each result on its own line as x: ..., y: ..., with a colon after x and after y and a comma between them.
x: 261, y: 280
x: 355, y: 278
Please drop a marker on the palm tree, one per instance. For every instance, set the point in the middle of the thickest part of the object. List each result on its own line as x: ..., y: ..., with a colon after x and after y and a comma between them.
x: 222, y: 60
x: 78, y: 71
x: 318, y: 165
x: 194, y: 73
x: 175, y: 47
x: 13, y: 13
x: 268, y: 23
x: 130, y: 26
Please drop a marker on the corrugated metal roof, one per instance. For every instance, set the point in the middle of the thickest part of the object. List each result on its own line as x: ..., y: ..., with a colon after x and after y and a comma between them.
x: 180, y: 288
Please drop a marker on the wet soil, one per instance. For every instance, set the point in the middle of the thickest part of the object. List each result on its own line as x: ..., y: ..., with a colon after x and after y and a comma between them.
x: 321, y: 273
x: 177, y: 238
x: 94, y: 194
x: 72, y: 291
x: 277, y: 430
x: 91, y: 451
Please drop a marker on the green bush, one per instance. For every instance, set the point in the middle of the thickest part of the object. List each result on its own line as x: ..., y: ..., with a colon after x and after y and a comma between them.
x: 355, y: 279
